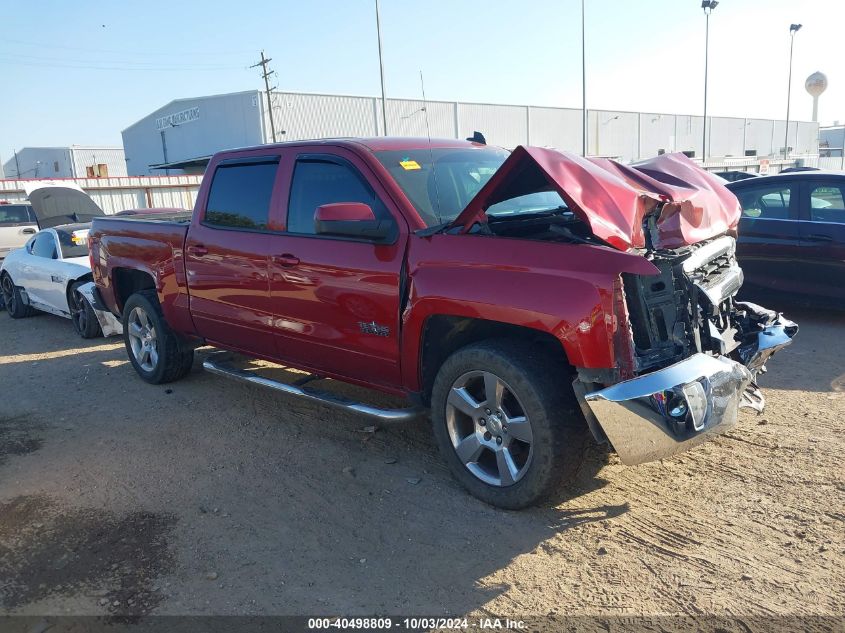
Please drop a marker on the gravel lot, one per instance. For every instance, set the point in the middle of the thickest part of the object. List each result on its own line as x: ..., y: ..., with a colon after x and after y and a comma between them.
x: 212, y: 497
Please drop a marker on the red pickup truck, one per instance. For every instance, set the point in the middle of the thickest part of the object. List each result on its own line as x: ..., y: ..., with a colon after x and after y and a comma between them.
x: 527, y: 299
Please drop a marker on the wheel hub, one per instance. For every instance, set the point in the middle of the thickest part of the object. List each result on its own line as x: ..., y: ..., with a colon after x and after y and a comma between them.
x: 494, y: 424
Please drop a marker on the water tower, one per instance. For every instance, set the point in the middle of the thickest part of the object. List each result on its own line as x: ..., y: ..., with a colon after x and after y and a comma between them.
x: 816, y: 84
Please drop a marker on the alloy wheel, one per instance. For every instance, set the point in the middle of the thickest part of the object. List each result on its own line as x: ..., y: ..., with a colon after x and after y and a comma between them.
x: 77, y: 311
x: 489, y: 428
x: 143, y: 339
x: 8, y: 289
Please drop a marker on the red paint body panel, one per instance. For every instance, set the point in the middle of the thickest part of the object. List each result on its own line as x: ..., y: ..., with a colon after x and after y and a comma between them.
x: 356, y: 310
x: 613, y: 198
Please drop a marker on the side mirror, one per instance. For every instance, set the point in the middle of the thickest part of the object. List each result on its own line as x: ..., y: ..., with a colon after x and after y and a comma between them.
x: 351, y: 219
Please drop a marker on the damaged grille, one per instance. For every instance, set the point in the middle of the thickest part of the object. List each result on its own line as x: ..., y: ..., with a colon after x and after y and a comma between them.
x: 687, y: 307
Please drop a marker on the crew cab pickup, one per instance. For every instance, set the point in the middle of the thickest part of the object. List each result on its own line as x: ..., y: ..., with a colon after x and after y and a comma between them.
x: 526, y: 299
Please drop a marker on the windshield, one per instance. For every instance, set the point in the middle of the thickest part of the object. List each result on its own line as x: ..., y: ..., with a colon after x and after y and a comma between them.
x: 440, y: 193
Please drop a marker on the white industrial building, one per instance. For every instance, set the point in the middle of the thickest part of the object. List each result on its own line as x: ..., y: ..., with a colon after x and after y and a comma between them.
x: 182, y: 134
x: 76, y: 161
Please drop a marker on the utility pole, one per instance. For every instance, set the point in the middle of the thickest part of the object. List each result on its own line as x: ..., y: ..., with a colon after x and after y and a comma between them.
x: 381, y: 70
x: 17, y: 166
x: 793, y: 29
x: 707, y: 6
x: 266, y: 74
x: 583, y: 84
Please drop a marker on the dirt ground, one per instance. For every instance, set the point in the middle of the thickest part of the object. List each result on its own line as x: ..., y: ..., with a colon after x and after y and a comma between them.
x: 212, y: 497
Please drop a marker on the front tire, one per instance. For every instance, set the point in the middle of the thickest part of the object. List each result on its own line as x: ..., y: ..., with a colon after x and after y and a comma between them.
x: 507, y: 423
x: 82, y: 314
x: 15, y: 306
x: 155, y: 351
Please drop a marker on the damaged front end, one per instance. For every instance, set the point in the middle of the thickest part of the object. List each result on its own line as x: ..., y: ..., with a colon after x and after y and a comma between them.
x: 696, y: 354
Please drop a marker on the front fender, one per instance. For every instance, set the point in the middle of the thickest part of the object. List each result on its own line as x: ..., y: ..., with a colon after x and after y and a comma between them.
x: 560, y: 289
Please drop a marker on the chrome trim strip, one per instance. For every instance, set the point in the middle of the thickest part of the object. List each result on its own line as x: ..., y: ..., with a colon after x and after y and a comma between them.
x: 218, y: 363
x: 724, y: 245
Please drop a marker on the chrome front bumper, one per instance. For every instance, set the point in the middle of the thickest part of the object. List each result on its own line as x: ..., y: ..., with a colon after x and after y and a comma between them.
x: 635, y: 414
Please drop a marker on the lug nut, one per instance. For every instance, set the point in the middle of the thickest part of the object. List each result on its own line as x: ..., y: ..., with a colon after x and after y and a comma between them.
x: 487, y: 436
x: 504, y: 428
x: 482, y: 421
x: 487, y: 411
x: 498, y: 440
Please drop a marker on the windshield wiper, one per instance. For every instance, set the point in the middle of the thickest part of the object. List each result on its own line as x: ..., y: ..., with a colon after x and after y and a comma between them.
x: 433, y: 230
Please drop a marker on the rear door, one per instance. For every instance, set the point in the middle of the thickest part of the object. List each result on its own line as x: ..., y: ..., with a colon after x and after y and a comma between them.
x: 337, y: 300
x: 769, y: 242
x: 822, y: 231
x: 17, y: 225
x: 227, y: 250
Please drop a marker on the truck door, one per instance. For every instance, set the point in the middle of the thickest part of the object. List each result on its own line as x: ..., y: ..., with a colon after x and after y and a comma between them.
x: 336, y: 300
x: 226, y: 252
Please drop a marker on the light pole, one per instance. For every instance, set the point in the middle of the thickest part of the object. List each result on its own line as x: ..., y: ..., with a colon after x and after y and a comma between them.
x: 707, y: 6
x: 583, y: 83
x: 381, y: 70
x: 793, y: 29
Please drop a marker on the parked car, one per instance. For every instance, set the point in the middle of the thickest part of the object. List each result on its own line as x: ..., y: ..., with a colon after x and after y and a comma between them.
x: 17, y: 225
x: 792, y: 232
x: 522, y: 298
x: 734, y: 175
x: 51, y: 272
x: 154, y: 211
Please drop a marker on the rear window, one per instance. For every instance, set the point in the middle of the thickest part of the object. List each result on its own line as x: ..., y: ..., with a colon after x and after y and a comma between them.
x: 73, y: 244
x: 11, y: 214
x: 240, y: 194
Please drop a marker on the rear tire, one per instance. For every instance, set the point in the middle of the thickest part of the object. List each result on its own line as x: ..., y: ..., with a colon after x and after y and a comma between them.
x: 507, y: 422
x: 82, y: 313
x: 15, y: 306
x: 155, y: 351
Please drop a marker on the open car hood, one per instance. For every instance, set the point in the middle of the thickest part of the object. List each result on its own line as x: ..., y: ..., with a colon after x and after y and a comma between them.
x: 56, y: 203
x: 613, y: 199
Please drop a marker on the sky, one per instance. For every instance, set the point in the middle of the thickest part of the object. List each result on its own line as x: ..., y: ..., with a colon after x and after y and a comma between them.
x: 80, y: 72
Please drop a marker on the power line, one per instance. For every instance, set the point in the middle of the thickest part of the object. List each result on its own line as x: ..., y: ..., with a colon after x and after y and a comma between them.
x: 266, y: 74
x: 168, y: 53
x: 45, y: 64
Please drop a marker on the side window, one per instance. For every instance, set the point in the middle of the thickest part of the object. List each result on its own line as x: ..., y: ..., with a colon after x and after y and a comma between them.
x: 240, y: 194
x: 319, y: 182
x: 13, y: 214
x: 770, y: 202
x: 827, y: 203
x: 44, y: 245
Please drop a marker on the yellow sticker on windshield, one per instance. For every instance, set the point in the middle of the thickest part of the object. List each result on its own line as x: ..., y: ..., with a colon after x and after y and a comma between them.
x: 409, y: 165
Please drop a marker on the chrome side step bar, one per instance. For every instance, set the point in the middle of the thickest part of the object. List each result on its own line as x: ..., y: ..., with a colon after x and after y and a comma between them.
x: 220, y: 363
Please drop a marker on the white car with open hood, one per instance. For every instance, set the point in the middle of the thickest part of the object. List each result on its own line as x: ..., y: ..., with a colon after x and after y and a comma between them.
x: 52, y: 272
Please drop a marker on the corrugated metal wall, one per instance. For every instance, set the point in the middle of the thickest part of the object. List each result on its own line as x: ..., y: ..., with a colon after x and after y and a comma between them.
x: 624, y: 135
x: 240, y: 119
x: 118, y: 194
x: 84, y: 157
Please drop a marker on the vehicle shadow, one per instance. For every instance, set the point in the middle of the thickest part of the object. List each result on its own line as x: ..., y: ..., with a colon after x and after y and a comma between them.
x: 300, y: 508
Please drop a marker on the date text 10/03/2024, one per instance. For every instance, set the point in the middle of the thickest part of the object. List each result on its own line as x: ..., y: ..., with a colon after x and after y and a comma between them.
x: 415, y: 623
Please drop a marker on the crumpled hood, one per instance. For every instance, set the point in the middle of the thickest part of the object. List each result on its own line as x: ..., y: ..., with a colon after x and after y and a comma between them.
x: 57, y: 202
x: 613, y: 198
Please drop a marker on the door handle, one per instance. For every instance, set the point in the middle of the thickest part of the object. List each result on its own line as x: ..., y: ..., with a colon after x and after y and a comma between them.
x: 197, y: 250
x: 819, y: 238
x: 287, y: 260
x: 27, y: 231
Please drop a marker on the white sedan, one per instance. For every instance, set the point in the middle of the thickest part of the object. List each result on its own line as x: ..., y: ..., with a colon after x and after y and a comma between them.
x: 52, y: 272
